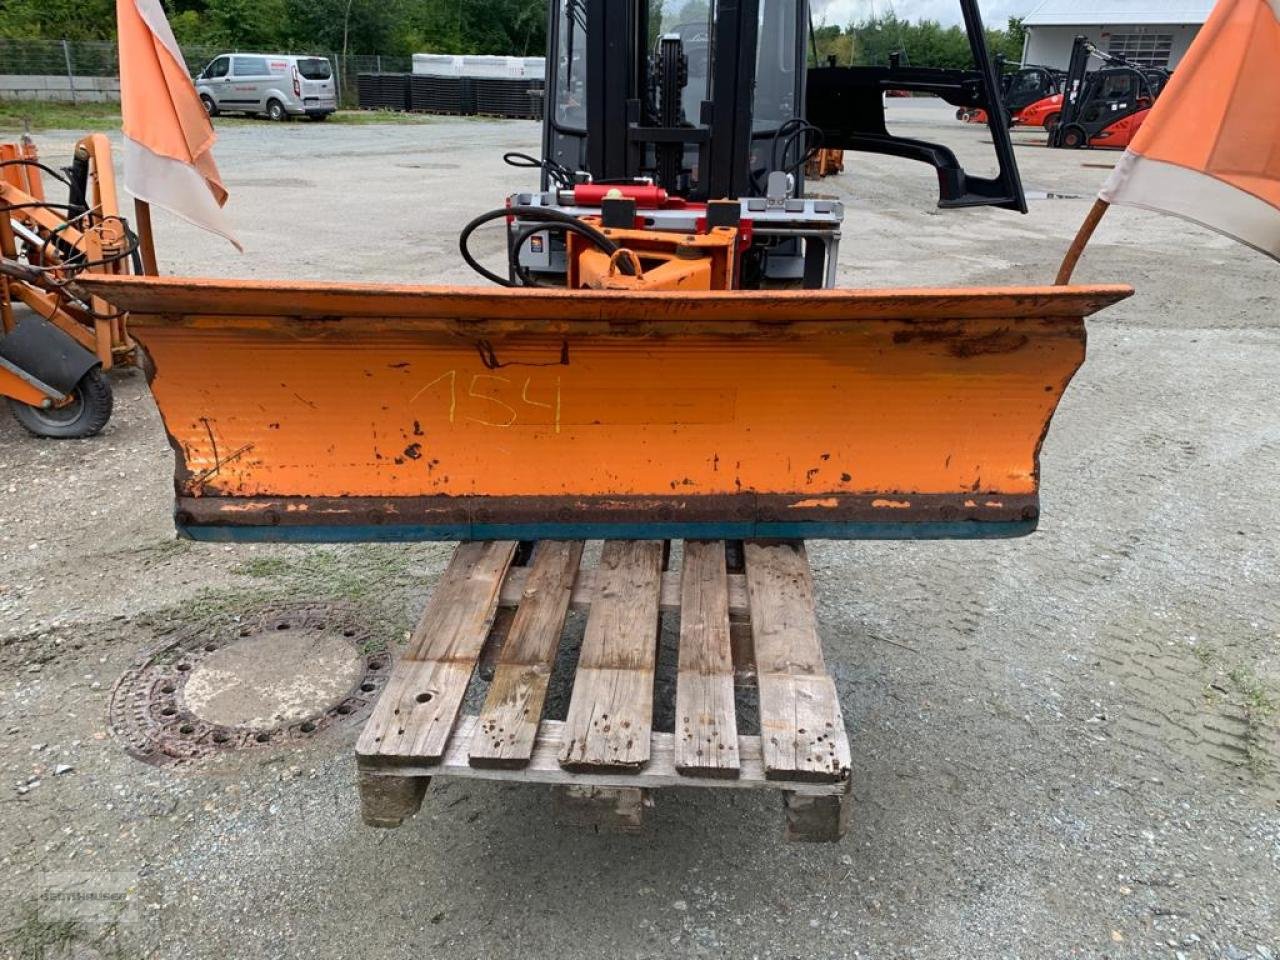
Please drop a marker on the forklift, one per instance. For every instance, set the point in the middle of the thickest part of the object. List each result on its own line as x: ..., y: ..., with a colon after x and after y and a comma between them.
x: 1028, y: 84
x: 664, y: 118
x: 1104, y: 107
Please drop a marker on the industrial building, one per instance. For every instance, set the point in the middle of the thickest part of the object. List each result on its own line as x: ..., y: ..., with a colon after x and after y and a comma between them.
x: 1148, y: 32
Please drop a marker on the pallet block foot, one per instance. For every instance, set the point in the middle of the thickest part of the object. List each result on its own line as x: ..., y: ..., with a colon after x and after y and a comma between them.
x: 816, y: 819
x: 387, y: 801
x: 603, y: 809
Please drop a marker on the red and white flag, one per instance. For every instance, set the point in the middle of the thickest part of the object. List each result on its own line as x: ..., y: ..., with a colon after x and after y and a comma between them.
x: 168, y: 139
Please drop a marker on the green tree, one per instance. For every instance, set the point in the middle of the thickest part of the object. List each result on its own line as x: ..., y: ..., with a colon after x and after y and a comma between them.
x: 58, y: 19
x: 245, y: 24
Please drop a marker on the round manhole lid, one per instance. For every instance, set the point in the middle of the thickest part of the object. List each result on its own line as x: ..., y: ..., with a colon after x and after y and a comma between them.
x: 282, y: 673
x: 260, y: 682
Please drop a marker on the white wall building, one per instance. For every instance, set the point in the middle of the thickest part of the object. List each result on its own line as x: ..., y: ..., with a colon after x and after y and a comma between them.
x: 1148, y: 32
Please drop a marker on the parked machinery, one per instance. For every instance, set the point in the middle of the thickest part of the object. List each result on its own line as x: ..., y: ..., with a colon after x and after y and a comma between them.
x: 56, y: 343
x: 1029, y: 84
x: 1099, y: 108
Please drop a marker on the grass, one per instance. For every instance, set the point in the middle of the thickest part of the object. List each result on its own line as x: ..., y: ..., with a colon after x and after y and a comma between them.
x: 1253, y: 692
x: 373, y: 577
x: 22, y: 116
x: 38, y: 938
x: 368, y: 117
x: 365, y: 572
x: 1259, y: 708
x: 1244, y: 689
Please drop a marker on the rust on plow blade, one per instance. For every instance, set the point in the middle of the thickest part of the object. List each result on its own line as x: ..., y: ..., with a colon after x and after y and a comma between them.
x: 326, y: 412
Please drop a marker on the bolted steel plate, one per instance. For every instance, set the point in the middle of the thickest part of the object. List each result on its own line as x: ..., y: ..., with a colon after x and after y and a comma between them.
x: 282, y: 673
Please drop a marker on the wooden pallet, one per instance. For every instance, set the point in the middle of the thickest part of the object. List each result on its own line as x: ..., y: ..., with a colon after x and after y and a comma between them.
x: 746, y: 615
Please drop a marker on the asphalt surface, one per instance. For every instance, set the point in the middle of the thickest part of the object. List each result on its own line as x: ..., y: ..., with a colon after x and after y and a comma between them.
x: 1063, y: 746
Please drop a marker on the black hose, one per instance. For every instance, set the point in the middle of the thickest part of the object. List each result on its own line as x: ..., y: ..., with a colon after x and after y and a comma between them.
x: 561, y: 175
x: 521, y: 238
x: 543, y: 217
x: 37, y: 164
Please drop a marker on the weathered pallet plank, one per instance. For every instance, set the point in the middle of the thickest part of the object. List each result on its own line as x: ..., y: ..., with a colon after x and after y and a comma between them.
x: 585, y: 584
x: 801, y: 726
x: 419, y: 708
x: 509, y: 718
x: 611, y: 708
x: 706, y: 721
x: 544, y: 766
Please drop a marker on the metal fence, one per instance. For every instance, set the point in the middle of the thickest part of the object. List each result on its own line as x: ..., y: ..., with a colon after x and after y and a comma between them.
x: 82, y: 70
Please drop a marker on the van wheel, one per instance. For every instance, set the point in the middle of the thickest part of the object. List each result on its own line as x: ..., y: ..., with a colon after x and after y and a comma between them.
x: 84, y: 416
x: 275, y: 110
x: 317, y: 117
x: 210, y: 107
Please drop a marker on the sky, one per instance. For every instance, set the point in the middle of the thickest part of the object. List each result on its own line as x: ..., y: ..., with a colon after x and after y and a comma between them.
x: 842, y: 12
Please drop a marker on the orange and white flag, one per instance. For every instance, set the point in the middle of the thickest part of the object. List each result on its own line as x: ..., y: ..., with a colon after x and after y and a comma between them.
x: 1209, y: 151
x: 168, y: 138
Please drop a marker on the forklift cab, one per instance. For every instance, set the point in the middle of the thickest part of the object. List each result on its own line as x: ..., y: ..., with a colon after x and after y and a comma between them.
x: 1027, y: 86
x: 635, y: 100
x: 1157, y: 78
x: 1111, y: 93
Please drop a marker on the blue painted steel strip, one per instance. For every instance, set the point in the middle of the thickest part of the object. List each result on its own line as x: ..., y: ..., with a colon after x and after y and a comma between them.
x: 732, y: 530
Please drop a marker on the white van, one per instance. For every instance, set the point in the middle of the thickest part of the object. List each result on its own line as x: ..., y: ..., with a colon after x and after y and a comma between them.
x: 276, y: 85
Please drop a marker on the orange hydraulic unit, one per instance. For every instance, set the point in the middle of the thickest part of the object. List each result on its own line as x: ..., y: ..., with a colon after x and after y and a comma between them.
x: 331, y: 412
x: 654, y: 260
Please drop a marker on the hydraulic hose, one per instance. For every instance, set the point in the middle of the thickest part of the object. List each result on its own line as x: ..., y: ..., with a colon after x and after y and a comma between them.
x: 541, y: 217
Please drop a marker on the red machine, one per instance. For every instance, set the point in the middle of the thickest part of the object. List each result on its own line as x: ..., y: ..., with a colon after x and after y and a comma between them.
x: 1102, y: 108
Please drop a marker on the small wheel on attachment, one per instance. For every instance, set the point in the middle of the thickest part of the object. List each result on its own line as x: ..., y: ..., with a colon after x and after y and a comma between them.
x: 83, y: 415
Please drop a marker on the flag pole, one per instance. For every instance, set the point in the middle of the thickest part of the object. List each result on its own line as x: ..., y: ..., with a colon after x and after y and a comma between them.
x: 146, y: 241
x: 1081, y: 240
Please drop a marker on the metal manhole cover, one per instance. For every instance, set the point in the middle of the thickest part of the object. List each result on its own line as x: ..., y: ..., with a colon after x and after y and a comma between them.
x: 281, y: 674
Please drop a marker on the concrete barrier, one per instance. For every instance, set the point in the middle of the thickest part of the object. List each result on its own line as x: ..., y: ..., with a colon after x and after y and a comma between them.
x: 58, y: 89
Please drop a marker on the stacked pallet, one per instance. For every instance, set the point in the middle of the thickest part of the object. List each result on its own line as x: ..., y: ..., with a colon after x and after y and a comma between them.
x: 383, y: 91
x: 508, y: 98
x: 453, y: 96
x: 447, y: 95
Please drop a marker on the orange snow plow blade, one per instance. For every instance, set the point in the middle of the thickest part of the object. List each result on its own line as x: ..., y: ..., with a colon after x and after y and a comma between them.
x: 328, y: 412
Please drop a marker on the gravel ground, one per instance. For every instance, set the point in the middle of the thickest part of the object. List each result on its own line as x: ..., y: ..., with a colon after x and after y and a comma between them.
x: 1064, y: 746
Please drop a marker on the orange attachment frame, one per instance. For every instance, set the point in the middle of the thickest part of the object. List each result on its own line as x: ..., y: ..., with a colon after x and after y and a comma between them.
x: 98, y: 329
x: 656, y: 260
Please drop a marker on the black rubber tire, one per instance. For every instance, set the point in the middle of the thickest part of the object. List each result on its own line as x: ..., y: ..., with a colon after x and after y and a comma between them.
x: 317, y: 117
x: 275, y: 110
x: 1074, y: 138
x: 209, y: 106
x: 1051, y: 122
x: 85, y: 416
